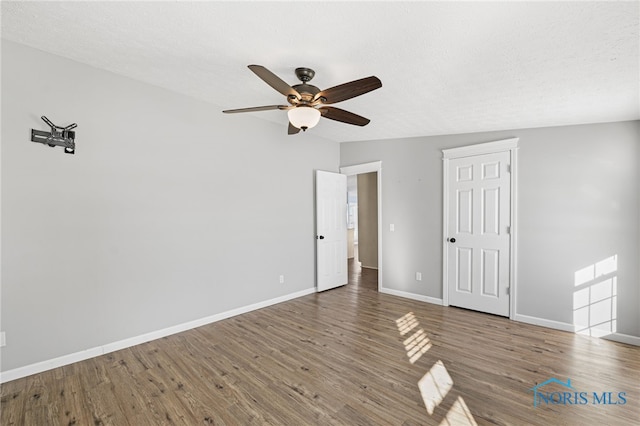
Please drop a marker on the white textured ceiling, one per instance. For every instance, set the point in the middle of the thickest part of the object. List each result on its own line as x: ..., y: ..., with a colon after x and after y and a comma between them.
x: 446, y: 67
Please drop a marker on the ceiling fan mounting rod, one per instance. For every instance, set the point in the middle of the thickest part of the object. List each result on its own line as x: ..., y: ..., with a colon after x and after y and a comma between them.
x: 305, y: 74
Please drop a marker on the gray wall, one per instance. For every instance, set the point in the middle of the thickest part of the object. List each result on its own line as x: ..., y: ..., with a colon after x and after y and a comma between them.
x: 154, y: 222
x: 578, y: 203
x: 368, y: 219
x: 168, y: 212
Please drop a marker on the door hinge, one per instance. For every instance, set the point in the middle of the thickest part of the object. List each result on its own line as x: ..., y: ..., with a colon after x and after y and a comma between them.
x: 508, y: 230
x: 508, y: 291
x: 508, y: 168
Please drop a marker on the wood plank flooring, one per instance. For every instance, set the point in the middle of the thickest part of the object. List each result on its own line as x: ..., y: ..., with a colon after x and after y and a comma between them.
x: 349, y: 356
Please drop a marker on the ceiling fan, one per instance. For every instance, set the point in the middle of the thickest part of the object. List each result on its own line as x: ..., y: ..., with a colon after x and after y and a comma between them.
x: 307, y: 103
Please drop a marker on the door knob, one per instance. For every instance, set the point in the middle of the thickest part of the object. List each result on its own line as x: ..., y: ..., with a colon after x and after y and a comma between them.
x: 452, y: 240
x: 321, y: 237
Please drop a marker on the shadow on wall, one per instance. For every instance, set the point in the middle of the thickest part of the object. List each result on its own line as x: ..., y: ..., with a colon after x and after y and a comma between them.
x: 595, y: 298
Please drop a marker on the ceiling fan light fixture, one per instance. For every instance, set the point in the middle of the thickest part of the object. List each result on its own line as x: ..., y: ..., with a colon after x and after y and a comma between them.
x: 304, y: 117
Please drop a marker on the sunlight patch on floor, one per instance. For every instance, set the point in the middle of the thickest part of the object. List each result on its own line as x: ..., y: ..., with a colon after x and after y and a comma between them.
x: 434, y: 386
x: 417, y: 345
x: 406, y: 323
x: 459, y: 415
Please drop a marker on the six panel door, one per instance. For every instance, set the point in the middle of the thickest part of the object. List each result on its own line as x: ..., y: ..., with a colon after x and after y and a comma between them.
x: 478, y: 236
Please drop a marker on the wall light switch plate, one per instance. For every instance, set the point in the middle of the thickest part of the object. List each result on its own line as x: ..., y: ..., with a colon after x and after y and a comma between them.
x: 392, y: 227
x: 418, y: 276
x: 3, y: 339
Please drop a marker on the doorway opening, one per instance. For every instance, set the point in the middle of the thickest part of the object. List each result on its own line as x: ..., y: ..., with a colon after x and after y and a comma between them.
x: 362, y: 229
x: 364, y: 239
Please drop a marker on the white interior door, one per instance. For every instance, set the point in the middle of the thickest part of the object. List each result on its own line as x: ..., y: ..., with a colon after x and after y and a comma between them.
x: 331, y: 230
x: 478, y: 247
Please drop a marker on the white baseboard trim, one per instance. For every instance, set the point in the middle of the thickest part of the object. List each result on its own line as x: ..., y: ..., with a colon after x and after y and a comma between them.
x: 39, y: 367
x: 563, y: 326
x: 50, y: 364
x: 413, y: 296
x: 623, y: 338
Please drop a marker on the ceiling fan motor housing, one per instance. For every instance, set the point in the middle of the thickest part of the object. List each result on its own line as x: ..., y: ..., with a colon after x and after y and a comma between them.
x: 306, y: 91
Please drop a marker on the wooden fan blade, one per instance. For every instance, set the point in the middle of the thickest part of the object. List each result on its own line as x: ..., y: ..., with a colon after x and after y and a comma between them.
x: 292, y: 129
x: 274, y: 81
x: 348, y: 90
x: 338, y: 114
x: 255, y: 109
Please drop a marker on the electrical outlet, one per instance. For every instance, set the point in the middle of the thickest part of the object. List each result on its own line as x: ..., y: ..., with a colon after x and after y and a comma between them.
x: 392, y: 227
x: 3, y: 339
x: 418, y: 276
x: 281, y: 279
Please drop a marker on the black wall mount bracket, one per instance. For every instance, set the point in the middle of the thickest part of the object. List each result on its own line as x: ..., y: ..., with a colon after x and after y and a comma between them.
x: 58, y: 136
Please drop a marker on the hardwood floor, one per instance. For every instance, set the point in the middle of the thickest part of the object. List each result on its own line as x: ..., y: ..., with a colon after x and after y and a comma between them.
x: 349, y: 356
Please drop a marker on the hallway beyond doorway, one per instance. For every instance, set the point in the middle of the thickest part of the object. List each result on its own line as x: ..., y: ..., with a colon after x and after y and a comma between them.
x: 362, y: 278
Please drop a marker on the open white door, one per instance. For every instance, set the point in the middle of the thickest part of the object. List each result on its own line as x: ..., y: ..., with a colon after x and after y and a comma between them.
x: 331, y: 230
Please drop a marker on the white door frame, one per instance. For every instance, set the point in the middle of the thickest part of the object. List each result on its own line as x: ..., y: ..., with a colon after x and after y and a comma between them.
x: 357, y: 169
x: 511, y: 146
